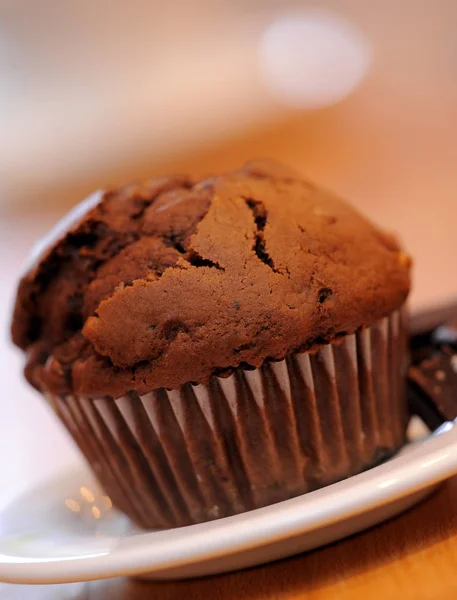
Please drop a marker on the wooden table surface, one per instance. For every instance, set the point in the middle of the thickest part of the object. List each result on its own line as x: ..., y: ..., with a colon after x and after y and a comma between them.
x: 411, y: 187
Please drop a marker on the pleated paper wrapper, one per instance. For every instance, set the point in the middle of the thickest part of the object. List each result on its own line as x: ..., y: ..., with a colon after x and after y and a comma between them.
x: 201, y: 452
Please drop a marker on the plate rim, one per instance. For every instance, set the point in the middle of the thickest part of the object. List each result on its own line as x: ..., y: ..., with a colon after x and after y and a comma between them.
x: 418, y: 466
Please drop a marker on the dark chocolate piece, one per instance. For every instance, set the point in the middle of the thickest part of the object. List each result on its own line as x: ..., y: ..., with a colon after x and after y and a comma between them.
x: 431, y: 330
x: 422, y: 348
x: 433, y: 387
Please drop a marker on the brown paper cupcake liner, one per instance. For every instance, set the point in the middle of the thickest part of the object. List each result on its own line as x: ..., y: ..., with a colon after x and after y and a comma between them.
x: 172, y: 458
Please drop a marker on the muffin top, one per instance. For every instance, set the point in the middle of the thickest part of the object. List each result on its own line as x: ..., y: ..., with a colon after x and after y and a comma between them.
x: 172, y: 281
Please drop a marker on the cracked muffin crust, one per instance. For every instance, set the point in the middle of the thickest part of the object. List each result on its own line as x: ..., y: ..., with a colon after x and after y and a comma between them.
x: 172, y: 281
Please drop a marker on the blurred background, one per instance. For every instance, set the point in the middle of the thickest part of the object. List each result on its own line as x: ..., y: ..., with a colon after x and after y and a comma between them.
x: 359, y: 95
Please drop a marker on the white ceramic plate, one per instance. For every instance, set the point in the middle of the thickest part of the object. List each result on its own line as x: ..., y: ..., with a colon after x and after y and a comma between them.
x: 68, y: 531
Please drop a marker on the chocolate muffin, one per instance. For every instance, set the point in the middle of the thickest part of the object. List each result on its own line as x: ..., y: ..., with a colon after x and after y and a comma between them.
x: 218, y: 346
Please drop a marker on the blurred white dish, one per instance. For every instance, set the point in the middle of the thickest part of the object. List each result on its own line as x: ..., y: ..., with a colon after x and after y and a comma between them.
x: 68, y: 531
